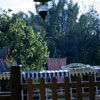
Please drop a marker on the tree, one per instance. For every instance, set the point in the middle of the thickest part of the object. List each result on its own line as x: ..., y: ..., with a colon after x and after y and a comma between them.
x: 61, y: 26
x: 75, y: 37
x: 25, y: 43
x: 34, y: 21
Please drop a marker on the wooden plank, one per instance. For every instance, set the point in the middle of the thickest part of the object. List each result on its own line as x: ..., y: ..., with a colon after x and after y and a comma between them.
x: 85, y: 84
x: 60, y: 85
x: 16, y: 91
x: 36, y: 86
x: 67, y: 88
x: 42, y: 89
x: 54, y: 88
x: 74, y: 84
x: 97, y: 83
x: 79, y: 89
x: 91, y: 88
x: 5, y: 97
x: 30, y: 89
x: 24, y: 85
x: 48, y: 85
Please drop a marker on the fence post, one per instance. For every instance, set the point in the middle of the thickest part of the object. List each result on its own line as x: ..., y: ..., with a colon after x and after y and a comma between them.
x: 30, y: 89
x: 42, y: 89
x: 91, y: 88
x: 79, y: 89
x: 67, y: 88
x: 54, y: 88
x: 16, y: 78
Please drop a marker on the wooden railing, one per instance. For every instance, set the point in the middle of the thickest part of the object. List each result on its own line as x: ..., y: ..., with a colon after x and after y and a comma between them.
x: 30, y: 86
x: 17, y: 87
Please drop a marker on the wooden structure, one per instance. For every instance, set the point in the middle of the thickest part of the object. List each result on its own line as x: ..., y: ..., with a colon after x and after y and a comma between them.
x: 18, y: 86
x: 56, y: 63
x: 30, y: 86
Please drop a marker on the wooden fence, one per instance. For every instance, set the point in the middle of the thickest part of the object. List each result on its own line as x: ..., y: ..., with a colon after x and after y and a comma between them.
x: 30, y: 86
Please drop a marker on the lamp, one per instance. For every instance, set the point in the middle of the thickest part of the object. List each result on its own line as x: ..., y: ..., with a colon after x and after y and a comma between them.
x: 42, y: 8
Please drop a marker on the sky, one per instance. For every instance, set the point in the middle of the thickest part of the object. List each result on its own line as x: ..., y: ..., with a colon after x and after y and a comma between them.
x: 18, y: 5
x: 26, y: 5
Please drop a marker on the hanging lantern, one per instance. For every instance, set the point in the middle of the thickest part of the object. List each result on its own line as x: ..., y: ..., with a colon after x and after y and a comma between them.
x: 42, y: 8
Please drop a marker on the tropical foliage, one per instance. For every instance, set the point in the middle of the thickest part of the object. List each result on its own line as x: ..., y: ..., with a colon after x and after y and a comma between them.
x: 24, y: 42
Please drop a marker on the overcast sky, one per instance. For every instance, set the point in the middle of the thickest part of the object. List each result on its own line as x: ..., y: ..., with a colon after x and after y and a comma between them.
x: 18, y: 5
x: 25, y: 5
